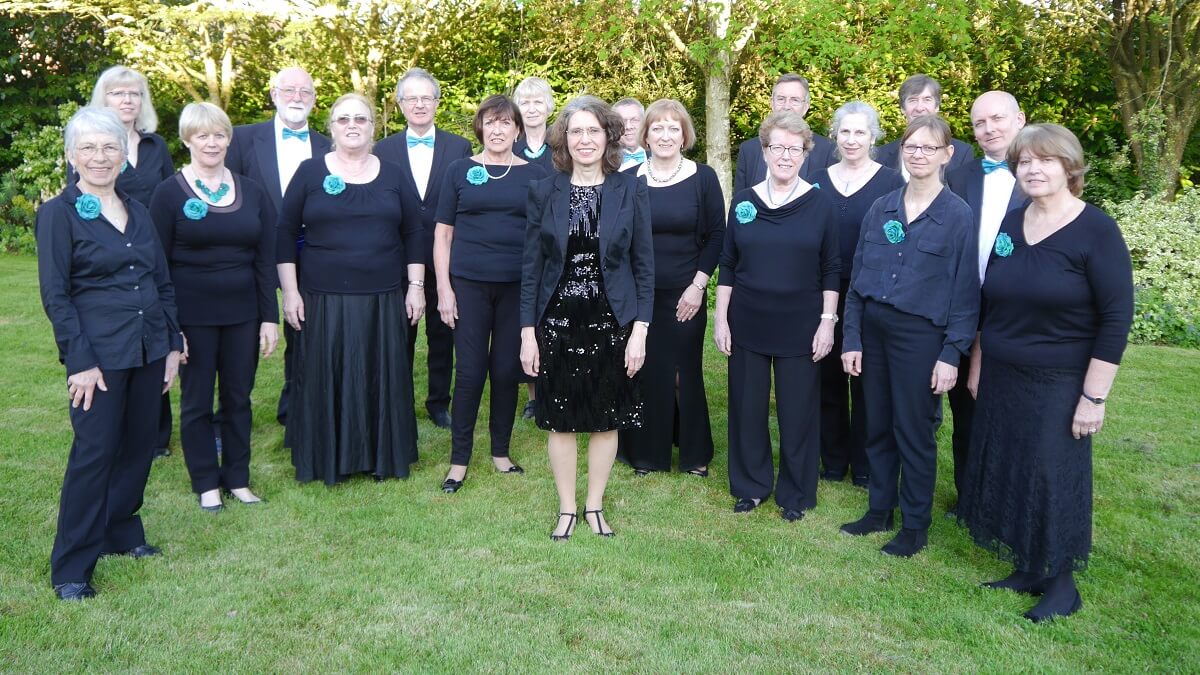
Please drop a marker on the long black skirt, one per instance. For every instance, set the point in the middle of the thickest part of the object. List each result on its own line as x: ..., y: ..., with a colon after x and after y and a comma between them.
x: 352, y: 399
x: 1028, y: 490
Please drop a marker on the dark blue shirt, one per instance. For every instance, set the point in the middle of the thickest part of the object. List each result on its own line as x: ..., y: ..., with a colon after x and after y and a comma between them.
x: 107, y: 293
x: 933, y: 272
x: 154, y: 165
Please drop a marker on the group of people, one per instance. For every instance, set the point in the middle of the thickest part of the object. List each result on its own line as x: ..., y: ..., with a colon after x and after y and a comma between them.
x: 575, y: 257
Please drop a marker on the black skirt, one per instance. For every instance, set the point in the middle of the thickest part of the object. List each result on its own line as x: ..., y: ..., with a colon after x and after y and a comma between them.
x: 1028, y: 489
x: 352, y: 401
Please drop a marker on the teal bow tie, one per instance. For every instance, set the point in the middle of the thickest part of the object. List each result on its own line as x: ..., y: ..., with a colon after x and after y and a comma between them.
x: 990, y: 165
x: 414, y: 141
x: 301, y: 135
x: 639, y: 156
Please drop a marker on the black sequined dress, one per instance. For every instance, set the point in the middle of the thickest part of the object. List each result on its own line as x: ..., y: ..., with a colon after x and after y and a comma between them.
x: 581, y: 382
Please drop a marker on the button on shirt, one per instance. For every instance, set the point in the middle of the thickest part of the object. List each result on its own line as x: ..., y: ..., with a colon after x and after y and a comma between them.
x: 289, y: 153
x: 997, y: 190
x: 420, y: 160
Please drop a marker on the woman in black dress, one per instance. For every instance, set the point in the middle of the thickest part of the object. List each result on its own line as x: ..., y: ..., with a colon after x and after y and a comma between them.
x: 218, y: 232
x: 854, y: 183
x: 353, y: 411
x: 587, y: 297
x: 688, y: 218
x: 911, y: 313
x: 776, y: 308
x: 106, y: 289
x: 1058, y: 305
x: 477, y: 257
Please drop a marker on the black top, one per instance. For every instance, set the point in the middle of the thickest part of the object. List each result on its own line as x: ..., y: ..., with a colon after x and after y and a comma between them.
x: 933, y: 272
x: 488, y: 219
x: 544, y: 159
x: 688, y: 219
x: 153, y: 167
x: 889, y: 155
x: 223, y: 265
x: 778, y: 265
x: 752, y: 169
x: 851, y: 209
x: 356, y: 242
x: 108, y: 294
x: 1062, y: 301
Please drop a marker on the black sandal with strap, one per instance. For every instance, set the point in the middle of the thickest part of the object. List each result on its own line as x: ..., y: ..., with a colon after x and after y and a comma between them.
x: 599, y: 523
x: 570, y: 526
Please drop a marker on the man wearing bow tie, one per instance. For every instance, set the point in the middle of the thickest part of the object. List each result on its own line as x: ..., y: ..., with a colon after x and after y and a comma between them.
x: 990, y: 189
x: 789, y: 93
x: 269, y: 152
x: 631, y: 111
x: 425, y: 151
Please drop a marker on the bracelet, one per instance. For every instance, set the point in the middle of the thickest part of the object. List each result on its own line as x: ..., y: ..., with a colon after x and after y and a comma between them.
x: 419, y: 283
x: 699, y: 287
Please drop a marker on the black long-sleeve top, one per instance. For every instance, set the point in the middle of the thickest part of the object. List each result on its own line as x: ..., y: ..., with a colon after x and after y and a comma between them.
x: 688, y: 219
x: 108, y: 294
x: 851, y: 208
x: 154, y: 165
x: 1063, y: 301
x: 778, y: 265
x: 488, y: 219
x: 933, y: 272
x: 544, y: 160
x: 223, y: 265
x: 356, y: 242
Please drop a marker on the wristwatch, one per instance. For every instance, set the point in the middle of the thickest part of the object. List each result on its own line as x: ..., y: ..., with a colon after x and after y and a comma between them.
x: 831, y: 317
x: 1099, y: 400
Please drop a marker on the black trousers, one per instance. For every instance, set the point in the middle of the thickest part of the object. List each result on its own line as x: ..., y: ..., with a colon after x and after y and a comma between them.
x: 797, y: 403
x: 487, y: 340
x: 228, y: 355
x: 672, y: 415
x: 962, y: 408
x: 899, y: 351
x: 106, y: 472
x: 843, y: 412
x: 290, y: 339
x: 439, y: 341
x: 162, y: 437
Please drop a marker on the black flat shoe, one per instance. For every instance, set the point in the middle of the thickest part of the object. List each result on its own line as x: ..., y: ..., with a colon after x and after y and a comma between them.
x: 530, y: 410
x: 861, y: 481
x: 566, y: 533
x: 515, y: 468
x: 791, y: 515
x: 599, y: 523
x: 874, y: 521
x: 450, y: 486
x: 833, y: 476
x: 211, y: 509
x: 440, y: 418
x: 143, y: 551
x: 703, y: 473
x: 1045, y: 611
x: 744, y: 505
x: 74, y: 592
x: 906, y: 543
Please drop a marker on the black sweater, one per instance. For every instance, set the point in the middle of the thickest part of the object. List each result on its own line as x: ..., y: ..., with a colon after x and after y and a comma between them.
x: 688, y: 220
x: 852, y: 208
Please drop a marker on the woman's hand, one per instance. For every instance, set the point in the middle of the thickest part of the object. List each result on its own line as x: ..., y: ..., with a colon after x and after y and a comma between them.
x: 722, y: 336
x: 447, y: 305
x: 268, y: 338
x: 822, y: 340
x: 184, y: 355
x: 852, y: 363
x: 171, y: 371
x: 635, y: 349
x: 529, y: 352
x: 689, y: 303
x: 81, y: 387
x: 414, y: 303
x: 975, y: 369
x: 943, y: 378
x: 1088, y: 421
x: 293, y: 309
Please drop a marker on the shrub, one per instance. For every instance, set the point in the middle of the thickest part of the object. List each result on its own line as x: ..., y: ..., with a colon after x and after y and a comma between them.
x: 27, y: 185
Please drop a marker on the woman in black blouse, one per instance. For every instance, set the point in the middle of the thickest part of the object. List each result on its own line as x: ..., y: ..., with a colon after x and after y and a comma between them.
x: 688, y: 220
x: 854, y: 183
x: 218, y: 232
x: 477, y: 258
x: 911, y: 313
x: 353, y: 411
x: 107, y: 292
x: 1058, y: 305
x: 776, y: 307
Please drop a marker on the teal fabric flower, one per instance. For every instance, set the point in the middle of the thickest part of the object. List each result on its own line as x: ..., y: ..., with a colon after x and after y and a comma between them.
x: 1004, y: 245
x: 745, y: 212
x: 334, y: 185
x: 817, y: 185
x: 894, y: 231
x: 87, y: 206
x: 195, y: 209
x: 124, y: 165
x: 476, y: 175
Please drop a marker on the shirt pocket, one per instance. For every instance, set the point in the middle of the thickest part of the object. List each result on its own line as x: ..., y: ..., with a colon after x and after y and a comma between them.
x: 933, y: 256
x: 875, y: 249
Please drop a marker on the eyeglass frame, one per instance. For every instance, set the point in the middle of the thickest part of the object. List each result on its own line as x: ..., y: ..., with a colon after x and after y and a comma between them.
x: 925, y: 149
x: 793, y: 151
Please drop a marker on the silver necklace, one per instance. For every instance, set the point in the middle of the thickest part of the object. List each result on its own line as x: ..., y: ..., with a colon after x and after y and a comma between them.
x: 489, y: 173
x: 786, y: 197
x: 668, y: 179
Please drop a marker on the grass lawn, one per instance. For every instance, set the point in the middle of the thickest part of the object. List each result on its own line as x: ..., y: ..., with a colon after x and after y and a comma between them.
x: 398, y: 576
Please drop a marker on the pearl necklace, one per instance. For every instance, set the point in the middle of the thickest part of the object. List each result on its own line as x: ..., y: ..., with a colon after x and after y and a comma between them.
x: 668, y: 179
x: 489, y: 173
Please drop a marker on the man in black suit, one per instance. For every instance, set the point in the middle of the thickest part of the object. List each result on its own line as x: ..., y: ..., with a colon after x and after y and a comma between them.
x: 922, y: 95
x: 268, y: 153
x: 789, y: 93
x: 989, y: 187
x: 424, y: 152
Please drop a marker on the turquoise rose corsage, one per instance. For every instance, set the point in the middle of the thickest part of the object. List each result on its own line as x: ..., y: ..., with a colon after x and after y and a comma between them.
x: 195, y: 209
x: 817, y: 185
x: 334, y: 185
x: 894, y: 231
x: 1004, y: 245
x: 745, y: 212
x: 87, y: 206
x: 476, y: 175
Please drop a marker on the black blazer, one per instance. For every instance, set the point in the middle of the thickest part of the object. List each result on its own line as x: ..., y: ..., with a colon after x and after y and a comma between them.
x: 626, y: 246
x: 967, y: 183
x: 889, y: 155
x: 252, y: 154
x: 752, y: 170
x: 447, y: 147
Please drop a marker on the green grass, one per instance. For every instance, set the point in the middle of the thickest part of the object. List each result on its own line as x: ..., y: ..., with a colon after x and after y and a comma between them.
x: 397, y: 576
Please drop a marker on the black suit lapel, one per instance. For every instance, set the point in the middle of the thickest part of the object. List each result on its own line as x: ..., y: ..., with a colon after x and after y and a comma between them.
x: 268, y: 161
x: 560, y: 210
x: 436, y: 170
x: 975, y: 191
x: 611, y: 196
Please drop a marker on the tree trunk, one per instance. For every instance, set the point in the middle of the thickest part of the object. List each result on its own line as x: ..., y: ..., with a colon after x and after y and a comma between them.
x: 716, y: 124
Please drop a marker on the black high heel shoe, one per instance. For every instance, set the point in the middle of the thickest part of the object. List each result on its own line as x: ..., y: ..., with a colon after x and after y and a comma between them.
x: 566, y: 533
x: 599, y: 523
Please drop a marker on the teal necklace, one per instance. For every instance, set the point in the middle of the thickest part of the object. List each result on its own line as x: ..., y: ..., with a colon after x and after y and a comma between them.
x: 213, y: 196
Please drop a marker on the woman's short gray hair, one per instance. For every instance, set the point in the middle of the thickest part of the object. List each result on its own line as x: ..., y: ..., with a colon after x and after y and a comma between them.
x: 95, y: 120
x: 147, y: 119
x: 857, y: 108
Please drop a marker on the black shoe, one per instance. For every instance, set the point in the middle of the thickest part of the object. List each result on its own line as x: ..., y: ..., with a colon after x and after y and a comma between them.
x: 441, y: 418
x: 833, y: 476
x: 1019, y: 582
x: 599, y: 524
x: 874, y: 521
x: 1060, y: 599
x: 211, y: 509
x: 162, y: 452
x: 640, y: 473
x: 143, y: 551
x: 703, y: 473
x: 515, y: 468
x: 791, y: 515
x: 744, y: 505
x: 861, y: 481
x: 450, y: 486
x: 566, y: 533
x: 530, y: 410
x: 907, y: 543
x: 74, y: 592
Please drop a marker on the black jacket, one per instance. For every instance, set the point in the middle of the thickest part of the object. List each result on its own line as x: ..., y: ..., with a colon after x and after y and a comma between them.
x: 967, y: 183
x: 252, y: 154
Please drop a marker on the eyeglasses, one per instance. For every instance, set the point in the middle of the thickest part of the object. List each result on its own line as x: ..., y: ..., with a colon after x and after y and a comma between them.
x: 531, y: 103
x: 423, y: 100
x: 292, y: 92
x: 793, y: 150
x: 89, y: 151
x: 790, y: 100
x: 927, y: 150
x: 591, y: 132
x: 124, y: 93
x: 360, y: 120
